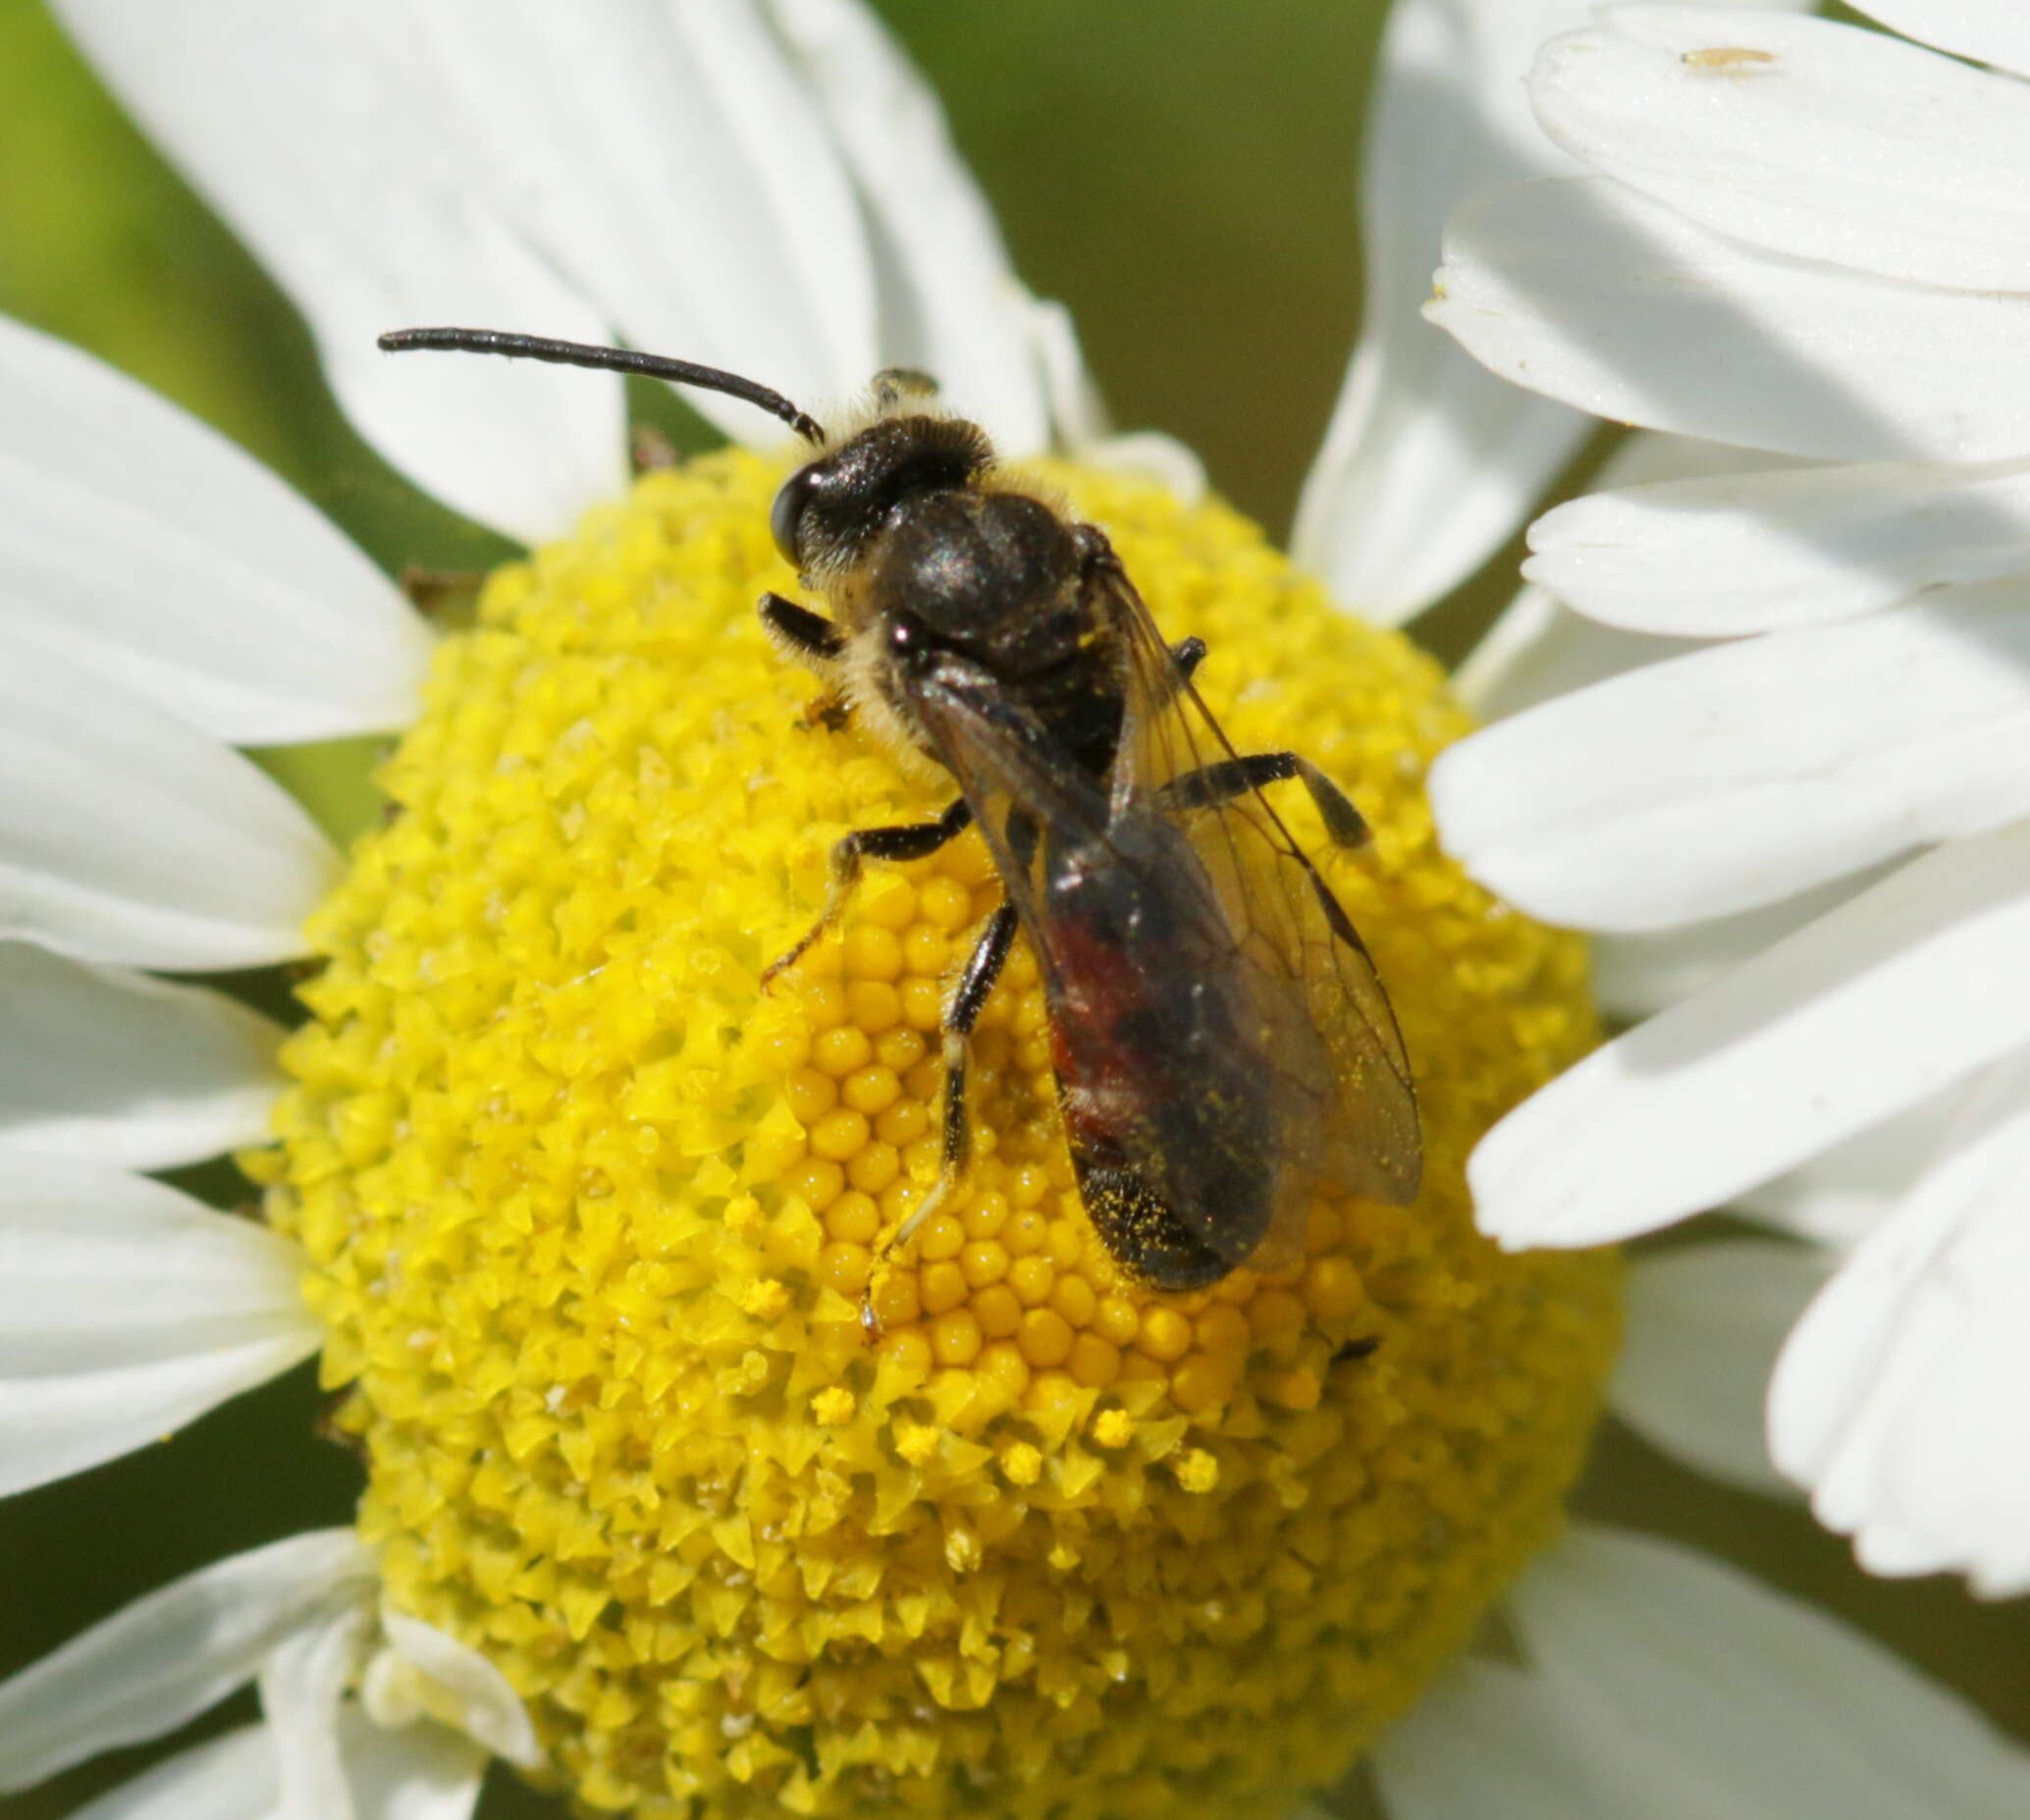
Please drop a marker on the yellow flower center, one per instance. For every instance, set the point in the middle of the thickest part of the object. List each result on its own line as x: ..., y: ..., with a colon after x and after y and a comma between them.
x: 591, y: 1215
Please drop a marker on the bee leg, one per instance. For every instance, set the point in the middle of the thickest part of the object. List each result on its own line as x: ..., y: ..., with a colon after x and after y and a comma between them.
x: 968, y: 999
x: 1230, y: 777
x: 813, y: 641
x: 909, y: 840
x: 893, y: 384
x: 1096, y: 556
x: 1344, y: 823
x: 649, y: 450
x: 1187, y: 654
x: 797, y: 632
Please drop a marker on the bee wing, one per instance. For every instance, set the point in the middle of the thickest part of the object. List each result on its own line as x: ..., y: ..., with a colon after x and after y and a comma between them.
x: 1306, y: 965
x: 1209, y: 998
x: 1154, y: 1029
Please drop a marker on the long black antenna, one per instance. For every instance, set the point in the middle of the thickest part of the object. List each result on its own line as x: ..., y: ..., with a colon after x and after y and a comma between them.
x: 609, y: 359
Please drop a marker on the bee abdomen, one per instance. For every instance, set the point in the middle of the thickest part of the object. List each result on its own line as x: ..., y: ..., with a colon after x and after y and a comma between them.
x: 1140, y: 1228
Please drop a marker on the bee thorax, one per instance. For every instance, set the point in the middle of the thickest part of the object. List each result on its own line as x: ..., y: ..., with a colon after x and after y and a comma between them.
x: 994, y: 574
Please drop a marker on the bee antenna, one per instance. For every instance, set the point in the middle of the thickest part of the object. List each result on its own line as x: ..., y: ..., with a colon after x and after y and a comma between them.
x: 608, y: 359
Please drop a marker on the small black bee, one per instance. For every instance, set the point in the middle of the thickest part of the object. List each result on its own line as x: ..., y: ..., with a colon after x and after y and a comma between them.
x: 1222, y: 1042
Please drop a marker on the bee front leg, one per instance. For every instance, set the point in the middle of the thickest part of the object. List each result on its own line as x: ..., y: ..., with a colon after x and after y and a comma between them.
x: 968, y: 999
x: 812, y: 640
x: 797, y: 632
x: 907, y: 841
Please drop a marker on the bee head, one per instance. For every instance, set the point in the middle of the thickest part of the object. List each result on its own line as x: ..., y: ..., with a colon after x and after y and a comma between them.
x: 830, y: 511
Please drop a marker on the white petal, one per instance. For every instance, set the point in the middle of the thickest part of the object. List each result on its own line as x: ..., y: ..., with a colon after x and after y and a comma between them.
x: 1761, y: 552
x: 1536, y: 650
x: 1814, y: 139
x: 1988, y: 31
x: 949, y: 302
x: 127, y: 835
x: 459, y: 1687
x: 1149, y: 454
x: 1739, y: 774
x: 302, y: 1682
x: 422, y: 1772
x: 1077, y: 413
x: 1638, y: 975
x: 1900, y: 1399
x: 325, y: 140
x: 1882, y: 1002
x: 229, y: 1778
x: 670, y: 165
x: 1844, y: 1194
x: 1644, y: 457
x: 141, y: 544
x: 1488, y: 1739
x: 1747, y: 1702
x: 1704, y: 1323
x: 1589, y: 293
x: 126, y: 1310
x: 146, y: 1670
x: 1428, y: 464
x: 102, y: 1064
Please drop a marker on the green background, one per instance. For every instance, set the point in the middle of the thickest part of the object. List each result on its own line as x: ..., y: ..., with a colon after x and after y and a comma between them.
x: 1184, y: 177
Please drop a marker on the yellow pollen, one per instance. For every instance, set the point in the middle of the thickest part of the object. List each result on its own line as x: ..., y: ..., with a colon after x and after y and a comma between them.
x: 833, y: 1407
x: 1113, y: 1428
x: 591, y: 1216
x: 1198, y: 1470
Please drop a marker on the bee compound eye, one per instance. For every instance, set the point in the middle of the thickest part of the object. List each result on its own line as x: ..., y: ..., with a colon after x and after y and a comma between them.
x: 787, y: 515
x: 909, y: 638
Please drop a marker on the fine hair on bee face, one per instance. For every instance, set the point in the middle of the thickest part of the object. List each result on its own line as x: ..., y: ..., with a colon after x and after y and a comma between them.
x: 1223, y: 1046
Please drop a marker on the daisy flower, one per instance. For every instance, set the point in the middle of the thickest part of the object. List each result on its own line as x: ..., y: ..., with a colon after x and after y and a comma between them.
x: 576, y: 1218
x: 1795, y: 791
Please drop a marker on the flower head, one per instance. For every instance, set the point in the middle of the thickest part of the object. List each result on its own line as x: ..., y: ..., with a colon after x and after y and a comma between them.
x: 589, y: 1219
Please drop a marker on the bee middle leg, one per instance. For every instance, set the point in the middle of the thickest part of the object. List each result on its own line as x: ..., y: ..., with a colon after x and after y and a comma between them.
x: 1213, y: 784
x: 908, y: 841
x: 968, y: 999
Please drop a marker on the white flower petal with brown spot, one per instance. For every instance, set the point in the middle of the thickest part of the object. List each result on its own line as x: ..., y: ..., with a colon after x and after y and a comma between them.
x: 1810, y: 238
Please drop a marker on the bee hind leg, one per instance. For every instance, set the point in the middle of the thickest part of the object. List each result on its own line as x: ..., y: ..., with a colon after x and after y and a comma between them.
x: 976, y: 986
x: 906, y: 842
x: 1230, y: 777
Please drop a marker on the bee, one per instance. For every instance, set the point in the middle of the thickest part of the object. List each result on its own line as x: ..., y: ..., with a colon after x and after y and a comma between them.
x: 1222, y: 1042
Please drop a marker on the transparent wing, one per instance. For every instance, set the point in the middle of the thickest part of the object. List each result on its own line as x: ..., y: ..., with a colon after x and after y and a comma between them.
x: 1151, y: 1029
x: 1306, y: 966
x: 1177, y: 954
